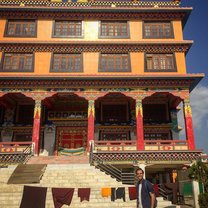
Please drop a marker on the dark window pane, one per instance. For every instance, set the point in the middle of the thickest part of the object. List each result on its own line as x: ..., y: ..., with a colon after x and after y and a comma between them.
x: 67, y: 63
x: 68, y: 28
x: 25, y: 114
x: 114, y: 63
x: 21, y: 28
x: 15, y: 61
x: 114, y: 29
x: 157, y: 30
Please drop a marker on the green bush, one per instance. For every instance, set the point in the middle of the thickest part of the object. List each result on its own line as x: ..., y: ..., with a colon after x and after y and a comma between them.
x: 203, y: 200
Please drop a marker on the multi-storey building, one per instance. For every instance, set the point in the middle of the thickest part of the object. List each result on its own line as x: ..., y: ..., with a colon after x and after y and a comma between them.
x: 101, y: 75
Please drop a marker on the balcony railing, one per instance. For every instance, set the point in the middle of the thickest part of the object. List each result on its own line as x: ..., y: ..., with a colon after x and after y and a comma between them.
x: 165, y: 145
x: 123, y: 145
x: 15, y: 152
x: 152, y: 145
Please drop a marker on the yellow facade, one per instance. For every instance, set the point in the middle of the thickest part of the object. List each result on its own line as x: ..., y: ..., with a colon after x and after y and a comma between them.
x: 91, y: 32
x: 91, y: 59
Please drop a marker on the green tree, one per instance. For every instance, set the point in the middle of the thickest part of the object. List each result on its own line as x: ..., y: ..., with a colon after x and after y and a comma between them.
x: 199, y: 172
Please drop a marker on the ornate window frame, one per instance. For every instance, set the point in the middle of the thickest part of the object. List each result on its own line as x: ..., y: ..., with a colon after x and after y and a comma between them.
x: 21, y: 22
x: 114, y: 24
x: 52, y: 70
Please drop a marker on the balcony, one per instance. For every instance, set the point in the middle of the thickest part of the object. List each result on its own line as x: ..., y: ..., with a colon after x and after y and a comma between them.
x: 167, y: 145
x: 149, y: 145
x: 15, y: 152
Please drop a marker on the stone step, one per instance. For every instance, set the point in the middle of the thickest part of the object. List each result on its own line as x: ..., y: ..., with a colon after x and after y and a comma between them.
x: 95, y: 198
x: 69, y: 175
x: 81, y: 159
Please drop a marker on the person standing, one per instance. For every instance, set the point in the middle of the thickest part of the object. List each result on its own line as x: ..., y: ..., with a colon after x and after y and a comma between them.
x: 145, y: 191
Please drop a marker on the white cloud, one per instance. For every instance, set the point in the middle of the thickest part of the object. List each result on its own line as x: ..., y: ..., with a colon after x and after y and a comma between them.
x: 199, y: 104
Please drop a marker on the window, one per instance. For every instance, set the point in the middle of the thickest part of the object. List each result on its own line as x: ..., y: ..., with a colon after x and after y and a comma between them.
x: 67, y: 63
x: 114, y: 29
x: 2, y: 109
x: 114, y: 113
x: 155, y: 113
x: 14, y: 62
x: 160, y: 62
x: 67, y: 29
x: 22, y: 137
x: 24, y: 114
x: 114, y: 63
x: 114, y: 135
x: 21, y: 28
x: 158, y: 30
x: 158, y: 136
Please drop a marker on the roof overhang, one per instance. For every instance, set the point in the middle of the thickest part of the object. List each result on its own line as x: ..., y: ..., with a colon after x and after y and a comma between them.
x: 125, y: 80
x: 94, y: 9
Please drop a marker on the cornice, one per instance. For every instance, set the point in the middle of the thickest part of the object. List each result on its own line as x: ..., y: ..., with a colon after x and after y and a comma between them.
x: 24, y: 83
x: 91, y: 14
x: 145, y: 10
x: 104, y: 3
x: 103, y: 47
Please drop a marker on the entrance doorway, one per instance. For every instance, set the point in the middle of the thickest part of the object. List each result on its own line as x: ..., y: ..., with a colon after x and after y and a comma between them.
x: 71, y: 137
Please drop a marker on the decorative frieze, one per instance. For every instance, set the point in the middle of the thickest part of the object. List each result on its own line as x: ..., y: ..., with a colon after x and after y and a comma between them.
x: 51, y: 85
x: 149, y: 156
x: 91, y: 95
x: 81, y: 47
x: 39, y: 95
x: 90, y: 14
x: 90, y: 3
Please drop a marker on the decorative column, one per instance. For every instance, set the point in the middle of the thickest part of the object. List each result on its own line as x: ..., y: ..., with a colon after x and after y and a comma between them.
x: 139, y: 125
x: 91, y: 95
x: 91, y: 123
x: 37, y: 96
x: 138, y: 96
x: 36, y: 126
x: 188, y: 123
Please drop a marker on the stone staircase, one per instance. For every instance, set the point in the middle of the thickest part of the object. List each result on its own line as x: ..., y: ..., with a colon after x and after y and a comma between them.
x: 72, y: 159
x: 71, y: 176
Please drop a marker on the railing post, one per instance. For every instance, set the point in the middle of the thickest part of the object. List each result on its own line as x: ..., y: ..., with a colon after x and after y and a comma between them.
x: 91, y: 153
x: 33, y: 148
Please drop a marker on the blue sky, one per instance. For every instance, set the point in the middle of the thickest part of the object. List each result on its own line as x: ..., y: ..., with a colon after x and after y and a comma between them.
x: 197, y: 62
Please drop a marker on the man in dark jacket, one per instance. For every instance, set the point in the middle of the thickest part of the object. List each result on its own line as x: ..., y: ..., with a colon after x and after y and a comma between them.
x: 145, y: 192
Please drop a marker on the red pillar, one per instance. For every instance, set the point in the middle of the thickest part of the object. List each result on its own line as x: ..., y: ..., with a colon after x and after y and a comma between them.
x: 91, y: 124
x: 139, y: 125
x: 36, y: 126
x: 189, y: 124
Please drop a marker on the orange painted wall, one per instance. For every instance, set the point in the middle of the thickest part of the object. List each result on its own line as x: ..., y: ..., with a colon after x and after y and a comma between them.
x: 91, y: 62
x: 135, y: 30
x: 43, y: 59
x: 44, y: 32
x: 177, y: 27
x: 2, y: 28
x: 181, y: 63
x: 42, y: 63
x: 137, y: 63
